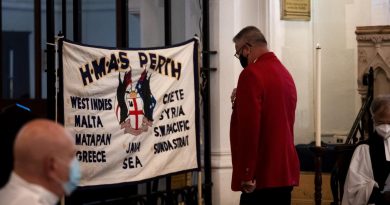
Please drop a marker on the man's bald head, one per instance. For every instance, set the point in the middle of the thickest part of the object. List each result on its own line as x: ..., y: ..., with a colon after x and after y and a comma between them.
x: 42, y: 148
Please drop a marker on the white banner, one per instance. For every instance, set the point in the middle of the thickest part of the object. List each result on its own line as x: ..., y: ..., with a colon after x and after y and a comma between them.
x: 132, y: 113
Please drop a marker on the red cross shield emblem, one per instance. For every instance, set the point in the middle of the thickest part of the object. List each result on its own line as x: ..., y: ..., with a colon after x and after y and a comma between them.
x: 136, y: 113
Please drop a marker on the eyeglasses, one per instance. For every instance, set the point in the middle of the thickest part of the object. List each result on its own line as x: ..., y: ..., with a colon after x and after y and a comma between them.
x: 237, y: 54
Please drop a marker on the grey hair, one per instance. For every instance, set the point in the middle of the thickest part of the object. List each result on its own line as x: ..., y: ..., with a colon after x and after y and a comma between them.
x: 379, y: 102
x: 251, y: 35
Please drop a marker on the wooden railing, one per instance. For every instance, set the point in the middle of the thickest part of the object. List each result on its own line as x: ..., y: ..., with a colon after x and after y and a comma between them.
x: 363, y: 122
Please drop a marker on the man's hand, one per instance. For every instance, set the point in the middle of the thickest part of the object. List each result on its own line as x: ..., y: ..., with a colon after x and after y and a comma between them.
x: 233, y: 96
x: 248, y: 186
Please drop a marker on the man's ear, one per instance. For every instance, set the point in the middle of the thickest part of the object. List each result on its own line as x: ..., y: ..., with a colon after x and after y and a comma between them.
x: 248, y: 50
x: 50, y: 167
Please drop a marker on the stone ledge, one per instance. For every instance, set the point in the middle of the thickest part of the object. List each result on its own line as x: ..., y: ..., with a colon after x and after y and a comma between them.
x: 361, y: 30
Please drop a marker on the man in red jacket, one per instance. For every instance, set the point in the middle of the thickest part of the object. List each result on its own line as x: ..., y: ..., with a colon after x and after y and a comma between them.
x: 265, y: 162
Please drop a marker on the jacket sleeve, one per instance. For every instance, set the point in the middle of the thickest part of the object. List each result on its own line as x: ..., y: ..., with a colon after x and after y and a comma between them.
x: 248, y: 109
x: 360, y: 178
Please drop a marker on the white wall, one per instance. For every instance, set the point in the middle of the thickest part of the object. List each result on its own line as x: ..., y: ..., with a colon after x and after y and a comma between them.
x: 294, y: 43
x: 336, y: 34
x: 222, y: 82
x: 380, y: 14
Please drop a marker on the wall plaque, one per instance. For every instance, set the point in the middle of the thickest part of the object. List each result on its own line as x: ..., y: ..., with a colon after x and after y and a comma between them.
x: 295, y: 10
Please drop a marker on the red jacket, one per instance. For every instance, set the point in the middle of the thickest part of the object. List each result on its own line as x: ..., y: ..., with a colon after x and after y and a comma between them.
x: 262, y: 126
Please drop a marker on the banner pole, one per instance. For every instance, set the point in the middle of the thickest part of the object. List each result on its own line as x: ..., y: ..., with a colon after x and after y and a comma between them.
x: 56, y: 39
x: 200, y: 188
x: 56, y: 72
x: 56, y: 78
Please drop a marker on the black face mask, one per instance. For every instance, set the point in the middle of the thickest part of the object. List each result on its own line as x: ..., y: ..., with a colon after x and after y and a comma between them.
x: 243, y: 61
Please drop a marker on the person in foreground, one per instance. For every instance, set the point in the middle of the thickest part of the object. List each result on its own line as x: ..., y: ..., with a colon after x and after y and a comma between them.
x: 45, y: 167
x: 368, y: 181
x: 265, y: 162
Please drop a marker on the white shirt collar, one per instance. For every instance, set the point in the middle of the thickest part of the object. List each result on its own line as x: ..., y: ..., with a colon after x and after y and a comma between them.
x: 387, y: 148
x: 46, y: 196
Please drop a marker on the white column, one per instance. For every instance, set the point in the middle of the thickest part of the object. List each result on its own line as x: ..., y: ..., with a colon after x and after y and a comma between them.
x: 221, y: 83
x: 227, y: 18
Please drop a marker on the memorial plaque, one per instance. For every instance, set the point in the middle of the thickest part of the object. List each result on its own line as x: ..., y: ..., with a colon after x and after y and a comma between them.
x: 295, y: 10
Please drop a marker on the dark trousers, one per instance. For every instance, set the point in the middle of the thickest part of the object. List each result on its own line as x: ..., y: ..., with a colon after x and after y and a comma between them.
x: 274, y: 196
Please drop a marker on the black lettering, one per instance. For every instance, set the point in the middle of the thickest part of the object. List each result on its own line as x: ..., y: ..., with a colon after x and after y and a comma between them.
x: 137, y: 162
x: 85, y: 156
x: 88, y: 121
x: 166, y: 65
x: 77, y: 122
x: 133, y: 147
x: 161, y: 116
x: 171, y: 128
x: 176, y: 71
x: 156, y: 133
x: 86, y: 75
x: 162, y: 130
x: 124, y: 164
x: 181, y: 111
x: 124, y: 60
x: 99, y: 68
x: 175, y: 95
x: 181, y: 92
x: 128, y: 163
x: 166, y: 98
x: 161, y: 62
x: 143, y: 59
x: 91, y: 156
x: 79, y: 156
x: 152, y: 60
x: 97, y: 157
x: 73, y: 100
x: 173, y: 111
x: 155, y: 146
x: 93, y: 139
x: 113, y: 64
x: 108, y: 104
x: 78, y: 139
x: 186, y: 125
x: 167, y: 113
x: 168, y: 145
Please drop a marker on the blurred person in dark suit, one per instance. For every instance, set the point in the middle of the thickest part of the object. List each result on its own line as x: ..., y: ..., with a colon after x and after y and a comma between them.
x: 12, y: 118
